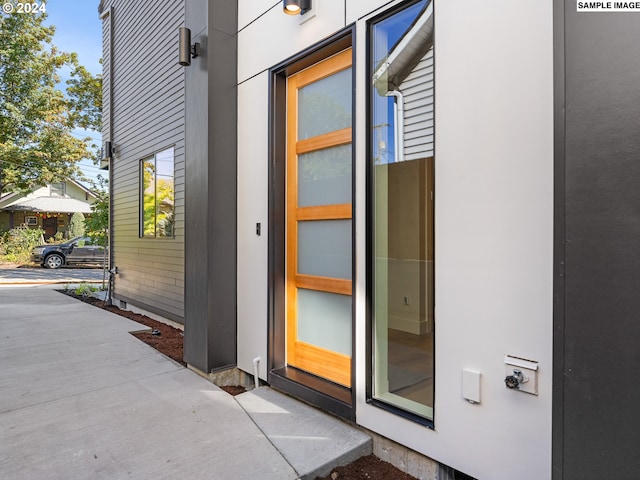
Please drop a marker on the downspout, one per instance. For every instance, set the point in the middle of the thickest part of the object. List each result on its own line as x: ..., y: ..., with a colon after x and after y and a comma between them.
x: 112, y: 270
x: 398, y: 122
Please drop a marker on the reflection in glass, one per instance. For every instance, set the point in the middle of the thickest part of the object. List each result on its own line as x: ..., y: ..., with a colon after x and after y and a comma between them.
x: 158, y: 193
x: 401, y: 69
x: 165, y: 193
x: 148, y: 198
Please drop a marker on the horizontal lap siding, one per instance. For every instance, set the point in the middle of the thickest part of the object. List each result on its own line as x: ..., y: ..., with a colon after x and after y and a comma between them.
x: 106, y: 79
x: 417, y: 89
x: 148, y: 117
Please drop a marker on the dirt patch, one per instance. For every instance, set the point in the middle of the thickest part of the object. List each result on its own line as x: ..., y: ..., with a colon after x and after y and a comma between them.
x: 370, y: 468
x: 170, y: 341
x: 233, y: 389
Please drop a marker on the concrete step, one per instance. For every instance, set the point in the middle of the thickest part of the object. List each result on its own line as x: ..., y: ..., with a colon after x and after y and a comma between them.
x: 311, y: 441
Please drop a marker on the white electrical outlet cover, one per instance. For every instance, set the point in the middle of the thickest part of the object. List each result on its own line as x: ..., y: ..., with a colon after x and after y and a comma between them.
x: 471, y: 385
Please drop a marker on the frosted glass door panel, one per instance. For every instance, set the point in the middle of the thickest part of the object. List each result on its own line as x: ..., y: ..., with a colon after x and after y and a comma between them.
x: 324, y: 248
x: 324, y: 320
x: 325, y: 106
x: 324, y: 177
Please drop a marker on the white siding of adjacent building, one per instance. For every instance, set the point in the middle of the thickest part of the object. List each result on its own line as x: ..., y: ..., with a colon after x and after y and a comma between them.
x: 417, y: 89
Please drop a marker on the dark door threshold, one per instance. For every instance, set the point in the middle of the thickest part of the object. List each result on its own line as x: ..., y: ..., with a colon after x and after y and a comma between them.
x: 314, y: 390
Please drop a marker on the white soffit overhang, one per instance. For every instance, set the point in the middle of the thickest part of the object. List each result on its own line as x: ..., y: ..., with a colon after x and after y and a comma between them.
x: 406, y: 54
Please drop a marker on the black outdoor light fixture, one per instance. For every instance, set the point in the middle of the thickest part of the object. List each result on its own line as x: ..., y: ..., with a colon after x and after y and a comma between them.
x: 187, y: 51
x: 296, y: 7
x: 107, y: 151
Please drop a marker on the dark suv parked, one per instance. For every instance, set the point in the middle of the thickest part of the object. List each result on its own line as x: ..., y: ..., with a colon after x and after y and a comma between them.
x: 76, y: 250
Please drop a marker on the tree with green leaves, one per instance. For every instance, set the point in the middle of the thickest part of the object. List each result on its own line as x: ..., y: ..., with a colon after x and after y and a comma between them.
x: 37, y: 119
x: 85, y: 91
x: 157, y: 203
x: 76, y: 225
x: 97, y: 224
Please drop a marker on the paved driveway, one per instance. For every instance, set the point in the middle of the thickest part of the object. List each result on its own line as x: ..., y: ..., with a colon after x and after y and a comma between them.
x: 17, y: 276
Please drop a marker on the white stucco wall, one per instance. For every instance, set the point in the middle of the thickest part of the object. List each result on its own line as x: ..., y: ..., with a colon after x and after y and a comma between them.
x: 253, y: 190
x: 285, y: 36
x: 494, y: 219
x: 267, y: 36
x: 494, y: 212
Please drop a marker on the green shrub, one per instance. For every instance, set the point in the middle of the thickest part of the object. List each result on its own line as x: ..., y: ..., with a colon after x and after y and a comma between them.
x: 85, y: 290
x: 76, y: 225
x: 16, y: 244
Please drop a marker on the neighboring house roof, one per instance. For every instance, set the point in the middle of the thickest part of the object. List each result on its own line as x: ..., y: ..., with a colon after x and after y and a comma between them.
x: 49, y: 204
x: 88, y: 191
x: 76, y: 199
x: 7, y: 196
x: 407, y: 75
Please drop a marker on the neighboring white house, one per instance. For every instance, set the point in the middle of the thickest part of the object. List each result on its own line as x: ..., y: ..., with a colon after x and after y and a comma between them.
x: 49, y: 208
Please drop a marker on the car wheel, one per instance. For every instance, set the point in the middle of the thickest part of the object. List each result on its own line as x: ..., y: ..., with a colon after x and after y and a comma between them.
x: 53, y: 261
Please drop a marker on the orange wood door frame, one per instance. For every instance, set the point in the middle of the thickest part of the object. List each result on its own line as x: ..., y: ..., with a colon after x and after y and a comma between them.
x: 314, y: 359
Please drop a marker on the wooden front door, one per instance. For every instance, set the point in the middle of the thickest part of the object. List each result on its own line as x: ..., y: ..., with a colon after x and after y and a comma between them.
x: 319, y: 219
x: 50, y: 227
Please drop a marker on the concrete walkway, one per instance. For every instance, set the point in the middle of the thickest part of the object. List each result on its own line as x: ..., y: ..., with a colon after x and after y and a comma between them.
x: 37, y: 275
x: 81, y: 398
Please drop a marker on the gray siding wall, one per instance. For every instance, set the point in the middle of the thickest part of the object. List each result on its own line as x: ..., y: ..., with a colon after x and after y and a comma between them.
x: 596, y: 426
x: 106, y: 78
x: 211, y: 173
x: 148, y: 116
x: 417, y: 89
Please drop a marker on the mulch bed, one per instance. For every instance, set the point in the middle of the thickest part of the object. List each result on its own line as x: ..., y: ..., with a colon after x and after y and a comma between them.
x: 170, y: 341
x: 233, y: 389
x: 167, y: 339
x: 370, y: 468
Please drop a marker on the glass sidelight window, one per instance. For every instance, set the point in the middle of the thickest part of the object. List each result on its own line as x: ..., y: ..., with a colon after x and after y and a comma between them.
x: 401, y: 202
